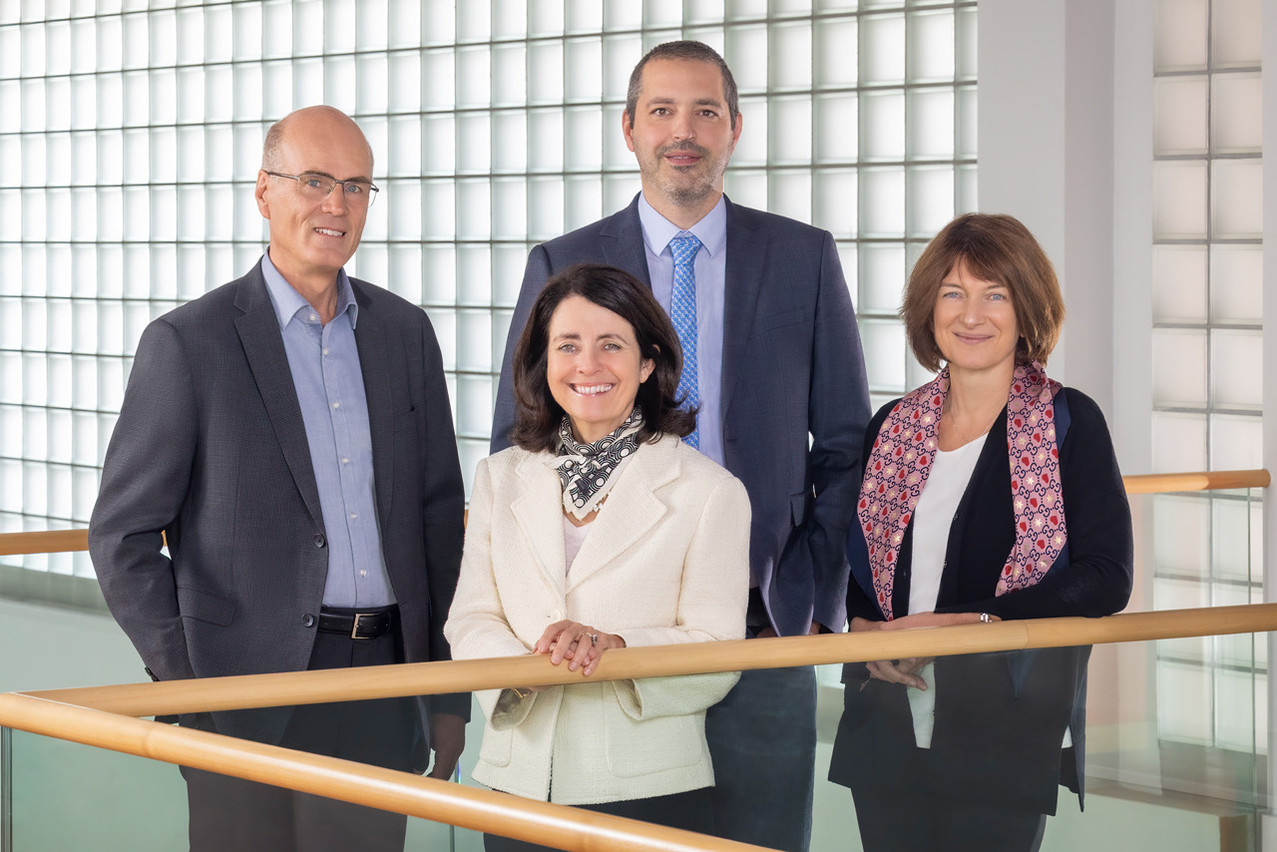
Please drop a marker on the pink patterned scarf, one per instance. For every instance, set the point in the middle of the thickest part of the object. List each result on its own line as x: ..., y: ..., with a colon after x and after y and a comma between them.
x: 897, y: 469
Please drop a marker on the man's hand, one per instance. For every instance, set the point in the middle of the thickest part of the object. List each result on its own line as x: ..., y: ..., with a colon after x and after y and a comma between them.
x: 447, y: 741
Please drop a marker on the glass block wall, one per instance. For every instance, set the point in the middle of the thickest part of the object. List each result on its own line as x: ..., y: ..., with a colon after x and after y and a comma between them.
x: 131, y: 135
x: 1207, y: 355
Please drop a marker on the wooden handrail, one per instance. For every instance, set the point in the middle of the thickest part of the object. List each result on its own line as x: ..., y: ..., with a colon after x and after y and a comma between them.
x: 309, y: 687
x: 62, y: 541
x: 1206, y: 480
x: 470, y: 807
x: 102, y: 716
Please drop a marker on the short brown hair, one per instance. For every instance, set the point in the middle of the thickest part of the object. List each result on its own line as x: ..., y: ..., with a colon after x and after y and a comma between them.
x: 994, y: 247
x: 694, y: 51
x: 538, y: 415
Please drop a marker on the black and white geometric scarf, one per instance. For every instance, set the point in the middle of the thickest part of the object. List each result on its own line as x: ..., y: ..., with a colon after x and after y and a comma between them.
x: 587, y: 471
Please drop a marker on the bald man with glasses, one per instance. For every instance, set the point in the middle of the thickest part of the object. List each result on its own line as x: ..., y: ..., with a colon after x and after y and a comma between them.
x: 290, y: 434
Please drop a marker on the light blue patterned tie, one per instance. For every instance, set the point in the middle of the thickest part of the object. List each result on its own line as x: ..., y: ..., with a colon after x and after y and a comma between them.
x: 684, y: 247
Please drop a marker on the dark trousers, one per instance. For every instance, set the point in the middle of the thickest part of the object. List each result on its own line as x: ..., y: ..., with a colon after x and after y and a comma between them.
x: 926, y: 822
x: 762, y: 738
x: 231, y: 813
x: 690, y: 811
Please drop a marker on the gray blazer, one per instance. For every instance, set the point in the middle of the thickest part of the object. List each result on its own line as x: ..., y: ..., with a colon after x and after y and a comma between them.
x: 210, y: 449
x: 795, y: 397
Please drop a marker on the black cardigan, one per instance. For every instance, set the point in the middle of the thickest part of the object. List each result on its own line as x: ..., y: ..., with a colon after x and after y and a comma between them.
x: 1000, y: 718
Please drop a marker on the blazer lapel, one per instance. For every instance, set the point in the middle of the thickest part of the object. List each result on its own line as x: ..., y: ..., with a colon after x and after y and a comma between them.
x: 746, y: 250
x: 370, y: 340
x: 258, y: 329
x: 621, y: 240
x: 539, y: 512
x: 631, y: 510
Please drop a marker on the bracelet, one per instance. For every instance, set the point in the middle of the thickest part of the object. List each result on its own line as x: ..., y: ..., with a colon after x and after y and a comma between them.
x: 520, y: 693
x: 985, y: 618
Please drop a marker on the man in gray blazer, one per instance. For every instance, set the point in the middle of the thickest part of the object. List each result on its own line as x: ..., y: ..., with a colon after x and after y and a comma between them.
x: 290, y: 434
x: 780, y: 381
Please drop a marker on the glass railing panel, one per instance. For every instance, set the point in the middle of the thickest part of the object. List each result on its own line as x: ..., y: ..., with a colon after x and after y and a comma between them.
x: 1165, y: 769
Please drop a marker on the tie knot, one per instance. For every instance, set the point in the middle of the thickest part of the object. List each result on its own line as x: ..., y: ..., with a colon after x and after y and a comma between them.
x: 684, y: 247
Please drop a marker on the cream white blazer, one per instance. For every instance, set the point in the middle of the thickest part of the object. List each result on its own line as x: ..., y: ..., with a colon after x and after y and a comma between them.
x: 665, y: 561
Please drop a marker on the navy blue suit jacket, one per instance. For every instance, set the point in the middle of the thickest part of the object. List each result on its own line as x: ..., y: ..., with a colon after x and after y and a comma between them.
x: 795, y: 399
x: 210, y: 449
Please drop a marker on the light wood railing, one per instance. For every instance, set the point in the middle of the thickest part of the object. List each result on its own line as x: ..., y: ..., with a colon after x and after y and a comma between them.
x: 106, y: 716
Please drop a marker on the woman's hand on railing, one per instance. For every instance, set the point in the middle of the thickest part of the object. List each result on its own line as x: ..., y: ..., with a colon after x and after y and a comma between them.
x: 581, y: 645
x: 904, y: 671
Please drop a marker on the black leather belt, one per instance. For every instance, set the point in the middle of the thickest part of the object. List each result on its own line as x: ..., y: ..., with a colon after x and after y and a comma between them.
x: 367, y: 624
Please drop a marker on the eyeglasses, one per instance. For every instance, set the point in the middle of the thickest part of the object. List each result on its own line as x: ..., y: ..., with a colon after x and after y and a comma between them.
x: 357, y: 192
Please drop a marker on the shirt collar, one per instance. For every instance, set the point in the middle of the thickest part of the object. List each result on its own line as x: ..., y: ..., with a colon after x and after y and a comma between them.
x: 288, y: 302
x: 711, y: 230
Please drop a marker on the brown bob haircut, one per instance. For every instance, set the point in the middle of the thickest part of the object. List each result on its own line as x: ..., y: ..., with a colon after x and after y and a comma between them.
x: 537, y: 415
x: 994, y: 247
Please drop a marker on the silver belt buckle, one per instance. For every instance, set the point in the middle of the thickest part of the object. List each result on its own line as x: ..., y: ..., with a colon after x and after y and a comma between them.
x: 354, y: 629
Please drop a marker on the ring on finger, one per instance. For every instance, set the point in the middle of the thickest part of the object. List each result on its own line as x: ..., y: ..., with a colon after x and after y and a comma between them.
x: 594, y: 639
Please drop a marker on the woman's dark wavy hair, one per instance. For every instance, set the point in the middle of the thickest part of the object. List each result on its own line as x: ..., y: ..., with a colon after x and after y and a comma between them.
x: 537, y: 415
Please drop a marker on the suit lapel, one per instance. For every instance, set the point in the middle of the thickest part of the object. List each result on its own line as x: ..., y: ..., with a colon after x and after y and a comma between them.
x: 258, y: 329
x: 370, y: 340
x: 539, y: 512
x: 631, y: 510
x: 621, y: 240
x: 746, y: 251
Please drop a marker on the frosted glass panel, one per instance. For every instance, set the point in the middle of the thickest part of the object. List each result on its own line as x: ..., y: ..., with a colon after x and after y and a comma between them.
x: 931, y: 46
x: 1179, y: 442
x: 1237, y: 210
x: 791, y: 46
x: 882, y: 49
x: 1236, y: 442
x: 1237, y: 530
x: 884, y: 345
x: 1179, y: 367
x: 882, y: 202
x: 1182, y: 545
x: 1236, y: 113
x: 1236, y: 32
x: 931, y: 124
x: 1180, y: 38
x: 882, y: 278
x: 1179, y: 283
x: 1179, y: 200
x: 786, y: 145
x: 836, y: 53
x: 1236, y: 293
x: 1237, y: 368
x: 1180, y: 115
x: 882, y: 127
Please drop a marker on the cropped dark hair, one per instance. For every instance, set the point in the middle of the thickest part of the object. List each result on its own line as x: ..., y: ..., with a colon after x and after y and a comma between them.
x: 538, y: 415
x: 695, y: 51
x: 994, y: 247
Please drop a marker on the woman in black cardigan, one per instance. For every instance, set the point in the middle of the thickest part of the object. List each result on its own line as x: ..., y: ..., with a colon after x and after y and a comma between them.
x: 989, y: 493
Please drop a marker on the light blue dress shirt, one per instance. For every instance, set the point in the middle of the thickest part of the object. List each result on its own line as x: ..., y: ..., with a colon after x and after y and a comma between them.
x: 711, y: 278
x: 324, y: 362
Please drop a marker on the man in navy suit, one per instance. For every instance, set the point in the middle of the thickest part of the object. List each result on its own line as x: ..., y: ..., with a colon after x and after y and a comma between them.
x: 783, y: 403
x: 290, y: 435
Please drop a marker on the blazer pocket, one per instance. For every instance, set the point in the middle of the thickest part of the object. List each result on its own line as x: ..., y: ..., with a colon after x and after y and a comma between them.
x: 204, y: 606
x: 652, y: 745
x: 496, y: 746
x: 798, y: 507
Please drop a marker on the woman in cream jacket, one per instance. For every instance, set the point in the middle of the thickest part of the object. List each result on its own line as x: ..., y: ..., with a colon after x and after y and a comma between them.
x: 599, y: 529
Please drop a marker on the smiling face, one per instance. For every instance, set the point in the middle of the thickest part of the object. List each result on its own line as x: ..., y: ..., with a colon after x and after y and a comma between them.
x: 682, y: 136
x: 974, y: 323
x: 593, y: 366
x: 310, y: 240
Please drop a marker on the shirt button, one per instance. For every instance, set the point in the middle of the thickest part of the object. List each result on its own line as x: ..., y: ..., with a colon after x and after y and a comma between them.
x: 354, y: 516
x: 325, y: 351
x: 308, y: 620
x: 313, y: 317
x: 319, y: 540
x: 345, y: 461
x: 336, y: 405
x: 363, y: 572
